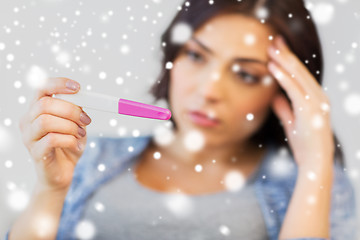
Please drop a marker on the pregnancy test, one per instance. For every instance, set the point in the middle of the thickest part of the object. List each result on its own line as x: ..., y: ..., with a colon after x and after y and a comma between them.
x: 112, y: 104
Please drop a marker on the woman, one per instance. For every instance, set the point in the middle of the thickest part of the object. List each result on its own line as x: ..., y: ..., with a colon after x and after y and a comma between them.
x: 246, y: 66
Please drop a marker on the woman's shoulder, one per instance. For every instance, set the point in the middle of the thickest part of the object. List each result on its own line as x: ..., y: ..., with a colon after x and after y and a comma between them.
x: 280, y: 168
x: 102, y: 158
x: 121, y: 145
x: 109, y: 151
x: 276, y: 184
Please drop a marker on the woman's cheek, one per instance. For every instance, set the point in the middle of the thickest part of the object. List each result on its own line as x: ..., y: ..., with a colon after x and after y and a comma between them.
x: 251, y: 116
x: 177, y: 81
x: 256, y: 105
x: 179, y: 88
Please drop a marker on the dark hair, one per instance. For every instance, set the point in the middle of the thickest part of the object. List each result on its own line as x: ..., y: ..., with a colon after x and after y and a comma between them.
x: 298, y: 30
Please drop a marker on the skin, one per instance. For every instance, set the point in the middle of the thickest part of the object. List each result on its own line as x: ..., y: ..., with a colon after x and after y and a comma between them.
x: 54, y: 132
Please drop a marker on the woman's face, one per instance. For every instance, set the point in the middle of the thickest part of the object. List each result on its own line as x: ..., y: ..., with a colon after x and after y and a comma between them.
x: 221, y: 71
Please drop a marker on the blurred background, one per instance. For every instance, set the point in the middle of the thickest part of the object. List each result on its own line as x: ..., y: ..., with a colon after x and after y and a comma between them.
x: 113, y: 47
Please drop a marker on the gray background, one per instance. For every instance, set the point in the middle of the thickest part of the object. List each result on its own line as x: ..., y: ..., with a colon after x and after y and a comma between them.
x: 55, y: 35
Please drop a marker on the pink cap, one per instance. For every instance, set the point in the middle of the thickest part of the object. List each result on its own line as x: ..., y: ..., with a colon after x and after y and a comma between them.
x: 138, y: 109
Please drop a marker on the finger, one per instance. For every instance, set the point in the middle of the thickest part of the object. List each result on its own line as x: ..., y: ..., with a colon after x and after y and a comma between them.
x: 46, y: 145
x: 293, y: 90
x: 285, y: 58
x: 282, y: 109
x: 46, y: 123
x: 57, y: 86
x: 60, y: 108
x: 294, y: 68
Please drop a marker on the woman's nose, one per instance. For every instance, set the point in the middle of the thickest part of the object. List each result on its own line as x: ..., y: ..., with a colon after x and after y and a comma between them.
x: 211, y: 87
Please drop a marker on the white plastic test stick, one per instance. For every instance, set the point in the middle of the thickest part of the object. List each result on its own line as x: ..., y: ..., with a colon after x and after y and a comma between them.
x: 102, y: 102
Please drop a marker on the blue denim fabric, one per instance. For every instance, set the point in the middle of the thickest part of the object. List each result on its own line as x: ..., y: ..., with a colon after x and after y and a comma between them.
x: 272, y: 191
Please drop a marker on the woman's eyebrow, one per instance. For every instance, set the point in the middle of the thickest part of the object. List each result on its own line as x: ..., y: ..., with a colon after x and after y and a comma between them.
x: 202, y: 45
x: 241, y: 59
x: 250, y: 60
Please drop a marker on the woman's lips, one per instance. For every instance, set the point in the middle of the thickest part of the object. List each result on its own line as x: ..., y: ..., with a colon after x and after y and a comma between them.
x: 202, y: 119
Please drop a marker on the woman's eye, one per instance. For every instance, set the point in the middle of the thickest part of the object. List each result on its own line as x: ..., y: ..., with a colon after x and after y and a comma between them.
x: 248, y: 78
x: 194, y: 55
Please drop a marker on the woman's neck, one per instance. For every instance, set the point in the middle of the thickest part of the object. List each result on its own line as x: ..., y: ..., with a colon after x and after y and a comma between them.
x: 225, y: 154
x: 175, y: 170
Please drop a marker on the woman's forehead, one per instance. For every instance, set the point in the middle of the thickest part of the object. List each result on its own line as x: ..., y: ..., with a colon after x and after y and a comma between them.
x: 233, y: 34
x: 236, y: 22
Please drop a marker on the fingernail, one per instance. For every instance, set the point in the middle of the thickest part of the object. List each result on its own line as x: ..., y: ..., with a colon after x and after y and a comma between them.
x: 72, y: 85
x: 81, y: 132
x: 84, y: 118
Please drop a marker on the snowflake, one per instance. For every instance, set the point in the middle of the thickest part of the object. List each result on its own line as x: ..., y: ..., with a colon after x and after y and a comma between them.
x: 194, y: 140
x: 234, y: 181
x: 322, y: 12
x: 181, y: 33
x: 85, y: 229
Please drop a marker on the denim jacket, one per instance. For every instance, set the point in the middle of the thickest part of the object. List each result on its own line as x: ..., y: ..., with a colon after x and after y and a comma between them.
x: 273, y: 188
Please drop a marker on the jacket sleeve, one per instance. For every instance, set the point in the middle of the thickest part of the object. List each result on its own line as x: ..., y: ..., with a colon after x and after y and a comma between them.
x: 7, y: 235
x: 343, y: 207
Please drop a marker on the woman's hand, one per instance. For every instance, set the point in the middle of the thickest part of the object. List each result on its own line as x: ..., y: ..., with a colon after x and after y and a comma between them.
x: 307, y: 123
x: 308, y: 129
x: 54, y: 132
